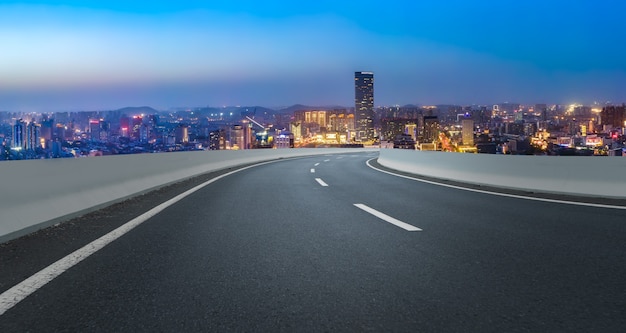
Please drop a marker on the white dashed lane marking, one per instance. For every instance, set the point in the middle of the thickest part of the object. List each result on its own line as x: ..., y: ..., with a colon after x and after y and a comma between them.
x: 321, y: 182
x: 388, y: 218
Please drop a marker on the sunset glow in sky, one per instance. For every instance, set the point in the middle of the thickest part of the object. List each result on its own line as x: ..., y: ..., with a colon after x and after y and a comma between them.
x: 98, y: 55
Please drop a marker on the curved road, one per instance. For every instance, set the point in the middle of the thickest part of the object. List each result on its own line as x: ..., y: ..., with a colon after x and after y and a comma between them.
x: 328, y: 243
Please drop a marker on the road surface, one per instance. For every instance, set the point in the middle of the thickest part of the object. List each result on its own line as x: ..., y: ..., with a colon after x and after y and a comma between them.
x: 327, y: 243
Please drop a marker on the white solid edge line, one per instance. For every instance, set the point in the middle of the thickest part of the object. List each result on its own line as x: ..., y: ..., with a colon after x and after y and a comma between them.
x: 388, y: 218
x: 497, y: 193
x: 320, y: 181
x: 17, y: 293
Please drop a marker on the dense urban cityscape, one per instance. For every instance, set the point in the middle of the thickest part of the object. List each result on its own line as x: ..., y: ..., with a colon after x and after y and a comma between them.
x: 499, y: 128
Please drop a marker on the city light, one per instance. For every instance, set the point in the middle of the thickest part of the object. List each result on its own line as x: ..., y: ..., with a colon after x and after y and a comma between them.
x: 503, y: 128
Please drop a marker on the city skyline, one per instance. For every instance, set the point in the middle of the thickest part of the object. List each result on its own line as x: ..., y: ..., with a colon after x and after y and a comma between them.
x: 72, y: 56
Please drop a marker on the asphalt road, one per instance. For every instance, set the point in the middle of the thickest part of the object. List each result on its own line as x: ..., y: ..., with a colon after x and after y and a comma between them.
x: 284, y: 247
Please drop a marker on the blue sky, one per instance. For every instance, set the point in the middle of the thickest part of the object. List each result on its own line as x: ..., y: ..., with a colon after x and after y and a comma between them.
x: 98, y: 55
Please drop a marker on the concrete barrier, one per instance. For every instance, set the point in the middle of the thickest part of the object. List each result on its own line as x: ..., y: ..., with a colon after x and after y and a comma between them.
x: 592, y: 176
x: 39, y: 193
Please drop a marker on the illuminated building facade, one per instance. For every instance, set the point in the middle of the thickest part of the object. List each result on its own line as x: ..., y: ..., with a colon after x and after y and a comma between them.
x: 340, y: 120
x: 182, y: 134
x: 431, y: 129
x: 217, y: 139
x: 296, y: 128
x: 467, y: 128
x: 390, y: 128
x: 318, y: 117
x: 236, y: 137
x: 364, y: 105
x: 32, y: 136
x: 25, y: 135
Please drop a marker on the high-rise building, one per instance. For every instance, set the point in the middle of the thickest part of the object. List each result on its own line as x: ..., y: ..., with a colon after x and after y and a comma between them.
x: 105, y: 128
x: 338, y: 121
x: 364, y: 105
x: 296, y: 128
x: 467, y: 132
x: 33, y: 134
x: 248, y: 137
x: 181, y: 134
x: 47, y: 129
x: 236, y: 137
x: 431, y: 129
x: 135, y: 127
x: 216, y: 140
x: 94, y: 129
x: 318, y: 117
x: 390, y: 128
x: 125, y: 126
x: 144, y: 133
x: 19, y: 135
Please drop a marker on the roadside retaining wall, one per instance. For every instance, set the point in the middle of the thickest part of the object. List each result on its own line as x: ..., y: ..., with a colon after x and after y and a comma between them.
x: 594, y: 176
x: 38, y: 193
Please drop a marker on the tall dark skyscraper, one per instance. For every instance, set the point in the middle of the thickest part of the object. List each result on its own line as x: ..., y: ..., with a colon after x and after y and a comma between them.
x: 364, y: 105
x: 19, y: 135
x: 431, y: 129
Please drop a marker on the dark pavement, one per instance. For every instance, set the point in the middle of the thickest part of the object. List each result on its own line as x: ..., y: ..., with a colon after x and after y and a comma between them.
x: 269, y: 249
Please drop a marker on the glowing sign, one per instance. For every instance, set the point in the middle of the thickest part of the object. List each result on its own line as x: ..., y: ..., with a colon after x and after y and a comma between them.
x: 565, y: 141
x: 593, y: 140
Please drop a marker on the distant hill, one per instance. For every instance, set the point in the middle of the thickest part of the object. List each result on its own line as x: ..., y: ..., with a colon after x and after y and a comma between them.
x: 259, y: 110
x: 248, y: 110
x: 293, y: 108
x: 137, y: 110
x: 300, y: 107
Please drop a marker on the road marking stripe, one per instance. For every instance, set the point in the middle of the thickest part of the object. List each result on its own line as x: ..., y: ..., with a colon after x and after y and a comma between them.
x: 388, y: 218
x: 16, y: 294
x: 316, y: 164
x: 326, y: 160
x: 321, y: 182
x: 312, y: 170
x: 575, y: 203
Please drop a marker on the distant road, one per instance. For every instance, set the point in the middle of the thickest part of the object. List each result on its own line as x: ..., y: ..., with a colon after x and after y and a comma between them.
x: 327, y: 243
